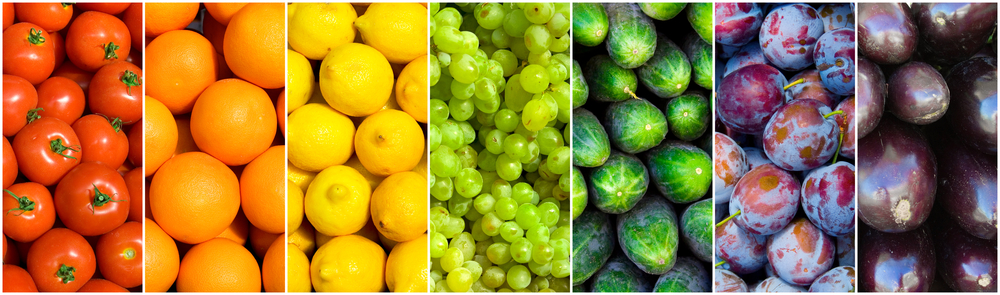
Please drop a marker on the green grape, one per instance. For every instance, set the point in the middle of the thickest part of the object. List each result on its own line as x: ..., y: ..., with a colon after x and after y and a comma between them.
x: 515, y: 23
x: 489, y: 105
x: 460, y: 280
x: 454, y: 226
x: 479, y: 287
x: 561, y: 92
x: 468, y: 182
x: 483, y: 134
x: 550, y: 104
x: 560, y: 268
x: 444, y: 59
x: 561, y: 232
x: 544, y: 187
x: 541, y: 269
x: 529, y: 134
x: 481, y: 57
x: 484, y: 203
x: 506, y: 120
x: 558, y: 25
x: 487, y: 161
x: 560, y: 43
x: 438, y: 245
x: 542, y: 253
x: 500, y: 39
x: 477, y: 227
x: 537, y: 39
x: 522, y: 193
x: 510, y: 231
x: 462, y: 91
x: 461, y: 109
x: 536, y: 115
x: 527, y: 215
x: 485, y: 119
x: 481, y: 247
x: 560, y: 249
x: 490, y: 15
x: 434, y: 72
x: 537, y: 234
x: 485, y: 88
x: 559, y: 160
x: 499, y: 253
x: 439, y: 111
x: 532, y: 167
x: 493, y: 277
x: 438, y: 203
x: 508, y: 168
x: 470, y: 42
x: 515, y: 146
x: 451, y: 259
x: 515, y: 95
x: 557, y: 73
x: 489, y: 49
x: 434, y: 8
x: 434, y: 135
x: 448, y: 39
x: 532, y: 154
x: 474, y: 268
x: 549, y: 214
x: 520, y: 250
x: 500, y: 189
x: 518, y: 277
x: 435, y: 275
x: 491, y: 224
x: 442, y: 189
x: 507, y: 61
x: 549, y: 139
x: 540, y: 282
x: 518, y: 48
x: 483, y: 35
x: 452, y: 135
x: 538, y: 13
x: 459, y: 206
x: 564, y: 218
x: 444, y: 162
x: 494, y: 141
x: 506, y: 208
x: 469, y: 23
x: 564, y: 181
x: 464, y: 68
x: 494, y: 72
x: 467, y: 157
x: 442, y: 286
x: 448, y: 17
x: 468, y: 133
x: 543, y: 58
x: 534, y: 78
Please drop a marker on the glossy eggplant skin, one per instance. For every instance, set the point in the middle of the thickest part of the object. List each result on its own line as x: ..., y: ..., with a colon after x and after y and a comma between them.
x: 897, y: 177
x: 973, y: 110
x: 896, y: 262
x: 918, y: 94
x: 871, y: 92
x: 953, y: 32
x: 967, y: 186
x: 966, y: 263
x: 886, y: 32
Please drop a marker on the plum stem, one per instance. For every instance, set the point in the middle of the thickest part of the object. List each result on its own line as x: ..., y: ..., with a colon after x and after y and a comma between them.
x: 837, y: 112
x: 720, y: 263
x: 796, y: 82
x: 728, y: 218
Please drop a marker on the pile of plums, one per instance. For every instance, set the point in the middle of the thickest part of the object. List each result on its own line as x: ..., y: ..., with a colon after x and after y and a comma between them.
x: 783, y: 154
x: 927, y: 129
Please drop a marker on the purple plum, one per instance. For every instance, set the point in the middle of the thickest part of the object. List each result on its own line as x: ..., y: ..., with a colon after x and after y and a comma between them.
x: 973, y: 110
x: 896, y: 262
x: 776, y: 284
x: 765, y: 200
x: 749, y: 54
x: 789, y: 34
x: 834, y: 56
x: 800, y: 252
x: 756, y: 157
x: 828, y: 198
x: 749, y: 96
x: 838, y: 279
x: 801, y: 135
x: 918, y: 94
x: 847, y: 127
x: 743, y: 251
x: 845, y: 250
x: 953, y: 32
x: 811, y: 87
x: 871, y: 93
x: 727, y: 282
x: 886, y: 32
x: 736, y: 23
x: 730, y: 165
x: 836, y: 16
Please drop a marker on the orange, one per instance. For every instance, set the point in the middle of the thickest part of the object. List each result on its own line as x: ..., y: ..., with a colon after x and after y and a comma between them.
x: 194, y: 197
x: 238, y: 230
x: 233, y: 121
x: 254, y: 45
x: 261, y: 240
x: 262, y: 190
x: 389, y: 141
x: 161, y: 258
x: 185, y: 143
x: 218, y: 265
x: 165, y: 17
x: 273, y: 267
x: 179, y: 66
x: 223, y: 12
x: 215, y: 32
x: 281, y: 111
x: 160, y: 134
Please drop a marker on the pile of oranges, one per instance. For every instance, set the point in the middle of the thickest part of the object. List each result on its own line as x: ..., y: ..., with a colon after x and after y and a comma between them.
x: 215, y: 154
x: 72, y: 147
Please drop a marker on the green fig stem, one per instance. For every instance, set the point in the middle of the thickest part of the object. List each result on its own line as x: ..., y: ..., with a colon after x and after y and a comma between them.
x: 728, y: 218
x: 796, y: 82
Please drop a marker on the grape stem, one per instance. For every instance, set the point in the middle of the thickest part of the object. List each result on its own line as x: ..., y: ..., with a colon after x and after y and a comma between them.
x: 796, y: 82
x: 728, y: 218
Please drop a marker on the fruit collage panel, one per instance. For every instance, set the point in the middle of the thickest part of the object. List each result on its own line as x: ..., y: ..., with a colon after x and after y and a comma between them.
x: 215, y: 147
x: 72, y: 147
x: 784, y: 147
x: 357, y: 156
x: 927, y: 129
x: 641, y: 175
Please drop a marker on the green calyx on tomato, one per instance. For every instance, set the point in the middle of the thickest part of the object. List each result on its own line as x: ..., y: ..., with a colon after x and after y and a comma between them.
x: 64, y: 5
x: 57, y: 146
x: 66, y: 273
x: 33, y: 114
x: 109, y: 50
x: 100, y: 199
x: 130, y: 79
x: 129, y: 253
x: 35, y: 37
x: 23, y: 203
x: 116, y: 123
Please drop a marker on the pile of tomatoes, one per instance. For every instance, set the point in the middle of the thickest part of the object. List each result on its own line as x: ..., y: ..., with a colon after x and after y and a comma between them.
x: 72, y: 147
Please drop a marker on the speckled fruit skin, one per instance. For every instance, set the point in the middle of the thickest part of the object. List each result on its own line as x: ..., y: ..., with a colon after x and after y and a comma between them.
x: 749, y: 96
x: 749, y: 54
x: 953, y: 32
x: 834, y: 57
x: 736, y: 23
x: 617, y: 186
x: 973, y: 110
x: 631, y: 35
x: 897, y: 177
x: 727, y: 281
x: 828, y: 198
x: 635, y: 125
x: 811, y: 88
x: 687, y: 275
x: 896, y: 262
x: 967, y: 186
x: 836, y: 16
x: 594, y: 241
x: 619, y: 275
x: 680, y: 171
x: 756, y: 157
x: 871, y: 93
x: 966, y: 263
x: 838, y: 279
x: 848, y: 148
x: 918, y: 94
x: 649, y: 235
x: 743, y: 252
x: 798, y: 137
x: 886, y: 32
x: 789, y: 34
x: 767, y: 198
x: 845, y: 250
x: 730, y: 164
x: 800, y: 252
x: 696, y: 229
x: 776, y: 284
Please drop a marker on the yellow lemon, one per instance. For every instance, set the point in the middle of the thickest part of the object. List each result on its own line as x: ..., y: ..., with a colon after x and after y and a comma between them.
x: 304, y: 239
x: 411, y: 89
x: 300, y: 81
x: 406, y: 268
x: 319, y: 137
x: 337, y: 201
x: 399, y: 206
x: 295, y: 213
x: 421, y: 167
x: 300, y: 177
x: 355, y: 79
x: 389, y: 141
x: 398, y: 30
x: 348, y: 264
x: 316, y: 28
x: 298, y: 271
x: 373, y: 180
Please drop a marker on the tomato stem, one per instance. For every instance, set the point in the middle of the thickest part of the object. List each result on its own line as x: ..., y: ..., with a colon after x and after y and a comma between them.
x: 57, y: 146
x: 130, y: 79
x: 109, y: 50
x: 66, y: 4
x: 23, y: 203
x: 116, y: 123
x: 66, y: 273
x: 100, y: 199
x: 33, y: 114
x: 35, y: 37
x: 728, y: 218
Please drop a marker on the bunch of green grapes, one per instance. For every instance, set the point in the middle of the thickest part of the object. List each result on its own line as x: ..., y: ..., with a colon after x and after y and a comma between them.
x: 500, y: 108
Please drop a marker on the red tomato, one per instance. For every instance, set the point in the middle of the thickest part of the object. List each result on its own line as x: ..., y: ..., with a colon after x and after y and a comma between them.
x: 103, y: 286
x: 119, y: 255
x: 65, y: 254
x: 8, y: 15
x: 59, y: 45
x: 116, y: 91
x: 134, y: 57
x: 104, y: 141
x: 28, y: 52
x: 9, y: 164
x: 16, y: 279
x: 96, y: 39
x: 28, y: 211
x: 50, y: 16
x: 12, y: 256
x: 133, y: 20
x: 46, y: 149
x: 81, y: 77
x: 134, y: 180
x: 19, y: 98
x: 109, y: 8
x: 61, y: 98
x: 135, y: 144
x: 92, y: 199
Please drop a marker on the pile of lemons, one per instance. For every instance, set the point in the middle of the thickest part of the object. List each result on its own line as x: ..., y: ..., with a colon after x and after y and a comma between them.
x: 357, y: 179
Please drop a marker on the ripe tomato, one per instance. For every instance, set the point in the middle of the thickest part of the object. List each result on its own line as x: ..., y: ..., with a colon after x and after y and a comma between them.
x: 133, y: 20
x: 9, y: 164
x: 92, y: 199
x: 134, y: 180
x: 104, y: 141
x: 46, y: 149
x: 119, y: 255
x: 28, y: 52
x: 116, y: 91
x: 8, y: 15
x: 16, y: 279
x: 19, y: 98
x: 59, y: 45
x: 96, y: 39
x: 70, y: 71
x: 65, y: 254
x: 103, y: 286
x: 28, y: 211
x: 109, y: 8
x: 50, y: 16
x: 61, y: 98
x: 135, y: 144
